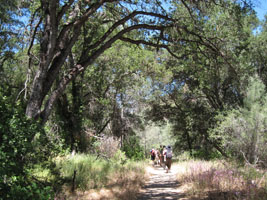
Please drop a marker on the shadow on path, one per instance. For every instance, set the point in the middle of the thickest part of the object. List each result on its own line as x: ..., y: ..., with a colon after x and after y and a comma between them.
x: 161, y: 186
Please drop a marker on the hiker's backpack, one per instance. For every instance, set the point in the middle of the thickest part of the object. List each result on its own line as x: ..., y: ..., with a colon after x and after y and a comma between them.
x: 169, y: 153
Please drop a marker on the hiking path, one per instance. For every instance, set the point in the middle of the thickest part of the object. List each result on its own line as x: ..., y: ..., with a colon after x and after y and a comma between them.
x: 161, y: 185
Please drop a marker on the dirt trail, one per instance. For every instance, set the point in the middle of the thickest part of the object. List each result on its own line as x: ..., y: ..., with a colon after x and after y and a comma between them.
x: 161, y: 185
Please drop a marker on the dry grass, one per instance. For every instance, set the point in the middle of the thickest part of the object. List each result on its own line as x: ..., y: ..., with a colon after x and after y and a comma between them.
x: 202, y: 180
x: 221, y: 180
x: 123, y: 184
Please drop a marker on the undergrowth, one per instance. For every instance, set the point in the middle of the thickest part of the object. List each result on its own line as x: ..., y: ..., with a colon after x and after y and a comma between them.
x: 88, y: 172
x: 223, y: 180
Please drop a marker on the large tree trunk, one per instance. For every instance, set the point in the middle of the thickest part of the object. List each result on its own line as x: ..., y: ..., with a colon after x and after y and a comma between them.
x: 37, y: 96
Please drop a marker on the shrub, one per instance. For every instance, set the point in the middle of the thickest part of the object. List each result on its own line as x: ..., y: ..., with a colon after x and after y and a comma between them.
x: 108, y: 146
x: 243, y: 131
x: 27, y: 190
x: 133, y: 149
x: 17, y: 153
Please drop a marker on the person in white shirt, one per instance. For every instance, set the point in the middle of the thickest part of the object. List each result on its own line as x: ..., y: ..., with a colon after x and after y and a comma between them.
x: 168, y: 155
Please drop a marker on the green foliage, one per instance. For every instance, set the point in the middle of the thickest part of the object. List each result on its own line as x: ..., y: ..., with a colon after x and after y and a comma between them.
x: 94, y: 172
x: 10, y: 28
x: 207, y: 155
x: 27, y: 190
x: 155, y: 135
x: 91, y: 172
x: 251, y: 173
x: 17, y: 134
x: 132, y: 148
x: 18, y: 153
x: 119, y: 158
x: 115, y: 79
x: 257, y: 55
x: 243, y: 131
x: 208, y: 76
x: 217, y: 51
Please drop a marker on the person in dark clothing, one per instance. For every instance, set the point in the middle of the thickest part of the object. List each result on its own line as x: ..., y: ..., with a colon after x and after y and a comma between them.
x: 153, y: 154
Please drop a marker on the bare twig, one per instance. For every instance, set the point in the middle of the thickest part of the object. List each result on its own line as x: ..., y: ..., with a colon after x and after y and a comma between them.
x: 25, y: 86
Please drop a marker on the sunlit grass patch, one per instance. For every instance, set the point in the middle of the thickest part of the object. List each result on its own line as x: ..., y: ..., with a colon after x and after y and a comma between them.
x: 98, y: 178
x: 84, y: 171
x: 220, y: 180
x: 41, y: 173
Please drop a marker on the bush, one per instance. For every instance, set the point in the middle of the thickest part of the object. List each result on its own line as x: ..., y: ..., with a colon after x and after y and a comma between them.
x: 243, y: 131
x: 133, y: 149
x: 26, y: 190
x: 203, y: 154
x: 17, y: 153
x: 108, y: 146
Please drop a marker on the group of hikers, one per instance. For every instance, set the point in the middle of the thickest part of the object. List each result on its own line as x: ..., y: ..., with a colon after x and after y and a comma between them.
x: 162, y: 157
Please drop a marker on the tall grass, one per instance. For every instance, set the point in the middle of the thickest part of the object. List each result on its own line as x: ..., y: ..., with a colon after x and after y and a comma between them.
x: 120, y: 176
x: 90, y: 172
x: 222, y: 180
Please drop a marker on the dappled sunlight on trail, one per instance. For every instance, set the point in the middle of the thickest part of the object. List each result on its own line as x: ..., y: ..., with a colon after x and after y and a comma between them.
x: 161, y: 185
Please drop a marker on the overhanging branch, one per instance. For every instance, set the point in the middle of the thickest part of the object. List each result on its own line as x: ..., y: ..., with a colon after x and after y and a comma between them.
x: 164, y: 46
x: 121, y: 22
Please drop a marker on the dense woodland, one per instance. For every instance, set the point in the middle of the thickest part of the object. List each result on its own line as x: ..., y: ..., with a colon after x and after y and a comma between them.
x: 101, y: 77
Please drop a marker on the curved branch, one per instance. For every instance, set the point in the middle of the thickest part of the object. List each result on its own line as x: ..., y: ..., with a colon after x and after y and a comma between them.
x: 64, y: 9
x: 91, y: 10
x: 101, y: 49
x: 137, y: 42
x: 35, y: 30
x: 121, y: 22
